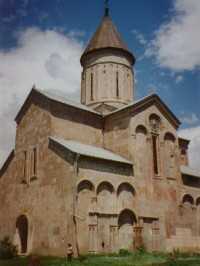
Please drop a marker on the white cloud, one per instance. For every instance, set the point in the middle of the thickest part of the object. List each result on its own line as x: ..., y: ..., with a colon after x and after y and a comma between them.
x: 194, y: 147
x: 46, y: 58
x: 140, y: 37
x: 176, y: 44
x: 191, y: 119
x: 179, y: 79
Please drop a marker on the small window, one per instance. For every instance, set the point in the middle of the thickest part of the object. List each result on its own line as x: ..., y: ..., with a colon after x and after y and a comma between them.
x: 92, y: 83
x: 24, y: 179
x: 34, y: 161
x: 154, y: 122
x: 83, y: 76
x: 117, y: 84
x: 155, y: 154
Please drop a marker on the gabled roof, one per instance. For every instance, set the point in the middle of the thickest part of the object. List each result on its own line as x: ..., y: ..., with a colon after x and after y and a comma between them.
x: 52, y: 95
x: 186, y: 170
x: 107, y: 36
x: 90, y: 151
x: 146, y: 101
x: 57, y: 97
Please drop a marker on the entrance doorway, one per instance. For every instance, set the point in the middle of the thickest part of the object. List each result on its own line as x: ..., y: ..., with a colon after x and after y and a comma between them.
x: 22, y: 227
x: 126, y: 221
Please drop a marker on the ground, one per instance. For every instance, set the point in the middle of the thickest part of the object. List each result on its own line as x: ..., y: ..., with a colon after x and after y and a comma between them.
x: 136, y: 259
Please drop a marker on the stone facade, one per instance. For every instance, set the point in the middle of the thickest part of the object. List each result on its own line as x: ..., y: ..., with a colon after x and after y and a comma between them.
x: 125, y: 186
x: 107, y: 77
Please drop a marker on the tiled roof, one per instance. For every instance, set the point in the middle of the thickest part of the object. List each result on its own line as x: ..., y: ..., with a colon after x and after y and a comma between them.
x: 144, y: 100
x: 186, y: 170
x: 52, y: 95
x: 106, y: 36
x: 90, y: 151
x: 57, y: 96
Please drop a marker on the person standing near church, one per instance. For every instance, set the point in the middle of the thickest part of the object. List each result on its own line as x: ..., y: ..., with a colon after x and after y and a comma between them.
x: 69, y: 252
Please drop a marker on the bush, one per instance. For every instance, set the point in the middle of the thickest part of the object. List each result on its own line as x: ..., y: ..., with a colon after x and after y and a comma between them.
x: 142, y: 250
x: 34, y: 260
x: 124, y: 252
x: 7, y: 249
x: 82, y: 258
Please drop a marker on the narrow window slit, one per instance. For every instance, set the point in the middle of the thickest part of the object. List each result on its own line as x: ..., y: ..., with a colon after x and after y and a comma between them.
x: 155, y: 154
x: 25, y: 162
x: 117, y: 84
x: 34, y: 161
x: 92, y: 89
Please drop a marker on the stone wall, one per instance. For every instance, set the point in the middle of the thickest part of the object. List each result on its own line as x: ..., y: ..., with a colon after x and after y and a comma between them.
x: 107, y: 77
x: 72, y: 124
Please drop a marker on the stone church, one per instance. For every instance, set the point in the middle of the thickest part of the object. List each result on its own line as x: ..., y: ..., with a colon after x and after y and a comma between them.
x: 105, y: 174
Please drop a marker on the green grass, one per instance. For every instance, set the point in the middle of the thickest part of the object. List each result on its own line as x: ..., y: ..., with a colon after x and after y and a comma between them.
x: 133, y: 259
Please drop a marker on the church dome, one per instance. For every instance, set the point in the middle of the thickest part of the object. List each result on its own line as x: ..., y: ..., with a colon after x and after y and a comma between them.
x: 107, y: 37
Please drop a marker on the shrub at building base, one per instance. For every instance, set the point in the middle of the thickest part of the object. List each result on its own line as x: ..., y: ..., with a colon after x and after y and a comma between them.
x: 34, y: 260
x: 7, y: 249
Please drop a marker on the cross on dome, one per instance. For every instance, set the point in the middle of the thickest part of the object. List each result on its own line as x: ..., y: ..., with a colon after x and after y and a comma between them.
x: 106, y: 3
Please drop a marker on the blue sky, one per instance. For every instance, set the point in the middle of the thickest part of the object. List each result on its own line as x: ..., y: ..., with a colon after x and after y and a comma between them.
x: 163, y: 35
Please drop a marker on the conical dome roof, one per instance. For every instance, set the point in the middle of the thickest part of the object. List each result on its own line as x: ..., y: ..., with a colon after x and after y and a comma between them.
x: 107, y: 37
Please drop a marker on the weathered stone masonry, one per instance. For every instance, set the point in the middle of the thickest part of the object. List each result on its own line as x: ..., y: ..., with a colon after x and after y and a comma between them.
x: 106, y: 174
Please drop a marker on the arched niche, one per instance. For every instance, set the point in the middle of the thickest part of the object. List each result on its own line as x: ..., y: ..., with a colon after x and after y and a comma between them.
x: 169, y: 137
x: 125, y: 195
x: 141, y: 130
x: 105, y: 197
x: 169, y: 140
x: 188, y: 199
x: 22, y: 233
x: 140, y: 148
x: 85, y: 185
x: 125, y: 187
x: 105, y: 187
x: 187, y: 213
x: 198, y: 201
x: 126, y: 221
x: 154, y: 121
x: 85, y: 192
x: 85, y: 195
